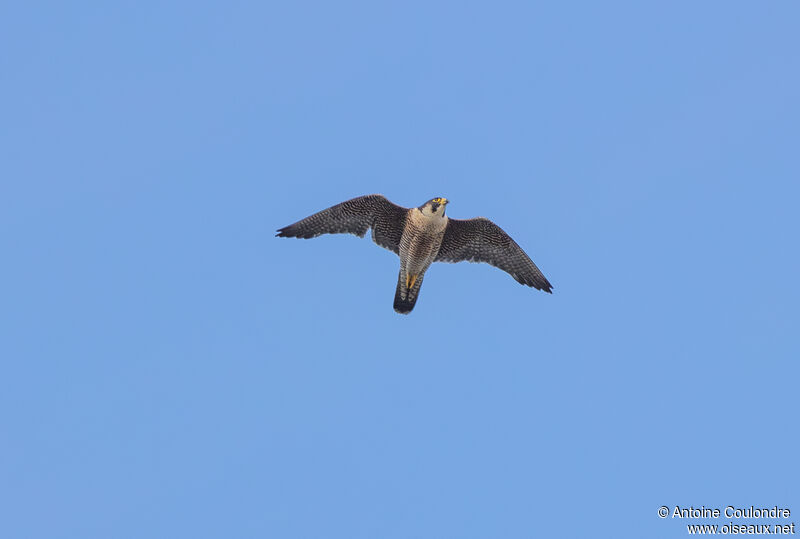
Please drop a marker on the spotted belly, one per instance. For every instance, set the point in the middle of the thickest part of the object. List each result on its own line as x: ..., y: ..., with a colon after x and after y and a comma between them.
x: 418, y: 250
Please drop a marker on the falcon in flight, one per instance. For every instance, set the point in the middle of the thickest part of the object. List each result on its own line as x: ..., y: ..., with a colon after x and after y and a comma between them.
x: 421, y: 236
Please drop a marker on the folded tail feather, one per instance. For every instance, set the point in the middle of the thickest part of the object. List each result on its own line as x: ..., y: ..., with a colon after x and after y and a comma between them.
x: 405, y: 298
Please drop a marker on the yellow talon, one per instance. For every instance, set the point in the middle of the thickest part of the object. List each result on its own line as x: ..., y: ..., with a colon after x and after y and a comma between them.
x: 410, y: 280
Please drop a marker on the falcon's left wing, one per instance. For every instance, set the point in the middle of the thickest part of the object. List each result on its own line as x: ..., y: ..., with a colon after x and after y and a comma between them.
x: 480, y: 240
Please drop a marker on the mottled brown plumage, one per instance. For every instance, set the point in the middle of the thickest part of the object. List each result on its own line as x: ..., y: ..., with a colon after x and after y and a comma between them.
x: 421, y: 236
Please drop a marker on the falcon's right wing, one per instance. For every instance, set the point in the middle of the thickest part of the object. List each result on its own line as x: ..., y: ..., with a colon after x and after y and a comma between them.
x: 355, y: 216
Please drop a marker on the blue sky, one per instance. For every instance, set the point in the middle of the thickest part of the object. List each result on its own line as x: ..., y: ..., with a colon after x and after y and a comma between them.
x: 171, y: 369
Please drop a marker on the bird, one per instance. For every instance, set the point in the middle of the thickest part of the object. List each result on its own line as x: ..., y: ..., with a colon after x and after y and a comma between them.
x: 421, y: 236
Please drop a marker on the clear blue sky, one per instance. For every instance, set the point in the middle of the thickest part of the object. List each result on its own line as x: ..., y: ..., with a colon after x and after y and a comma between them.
x: 171, y: 369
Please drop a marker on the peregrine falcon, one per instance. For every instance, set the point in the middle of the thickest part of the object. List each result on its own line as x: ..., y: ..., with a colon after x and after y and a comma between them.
x: 421, y: 236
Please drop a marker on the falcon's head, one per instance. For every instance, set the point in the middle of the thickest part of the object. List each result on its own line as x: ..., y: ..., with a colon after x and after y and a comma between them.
x: 434, y: 207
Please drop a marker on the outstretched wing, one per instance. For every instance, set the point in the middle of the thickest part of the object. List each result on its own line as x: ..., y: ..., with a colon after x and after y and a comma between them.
x: 355, y: 216
x: 480, y: 240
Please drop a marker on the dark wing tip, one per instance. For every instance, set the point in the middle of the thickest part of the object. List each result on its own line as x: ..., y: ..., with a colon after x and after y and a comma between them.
x: 285, y: 232
x: 539, y: 282
x: 543, y: 285
x: 292, y: 232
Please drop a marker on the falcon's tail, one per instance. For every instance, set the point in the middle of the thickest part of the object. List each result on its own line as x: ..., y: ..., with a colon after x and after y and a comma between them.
x: 407, y: 290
